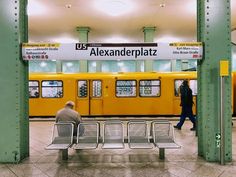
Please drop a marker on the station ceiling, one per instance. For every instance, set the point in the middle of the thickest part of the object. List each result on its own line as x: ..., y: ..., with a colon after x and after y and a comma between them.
x: 114, y: 20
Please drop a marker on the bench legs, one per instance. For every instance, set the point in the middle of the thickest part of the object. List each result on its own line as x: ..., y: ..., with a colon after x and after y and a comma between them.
x: 162, y: 153
x: 64, y: 154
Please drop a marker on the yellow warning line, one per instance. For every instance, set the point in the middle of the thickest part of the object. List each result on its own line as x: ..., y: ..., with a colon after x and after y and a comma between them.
x: 188, y: 44
x: 28, y: 45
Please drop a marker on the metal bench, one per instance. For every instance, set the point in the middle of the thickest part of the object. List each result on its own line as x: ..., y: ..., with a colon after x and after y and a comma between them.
x: 163, y: 137
x: 113, y: 135
x: 87, y: 136
x: 138, y: 135
x: 62, y: 138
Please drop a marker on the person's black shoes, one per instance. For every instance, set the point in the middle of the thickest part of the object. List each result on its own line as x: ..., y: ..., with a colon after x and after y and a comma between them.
x: 175, y: 126
x: 193, y: 129
x: 179, y: 128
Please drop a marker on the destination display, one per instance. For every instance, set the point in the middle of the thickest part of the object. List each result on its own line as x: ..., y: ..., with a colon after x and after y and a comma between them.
x: 111, y: 51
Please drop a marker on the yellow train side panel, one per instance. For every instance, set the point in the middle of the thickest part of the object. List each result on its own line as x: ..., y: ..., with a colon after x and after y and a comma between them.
x: 108, y: 104
x: 49, y: 106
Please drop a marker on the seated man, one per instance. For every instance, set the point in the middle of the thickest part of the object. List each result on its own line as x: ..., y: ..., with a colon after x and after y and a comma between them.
x: 67, y: 114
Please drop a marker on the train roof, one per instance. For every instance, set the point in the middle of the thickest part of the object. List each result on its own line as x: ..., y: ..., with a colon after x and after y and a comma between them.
x: 117, y: 74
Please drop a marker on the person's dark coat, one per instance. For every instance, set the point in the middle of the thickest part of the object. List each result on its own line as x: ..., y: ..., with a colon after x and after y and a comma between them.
x: 186, y: 96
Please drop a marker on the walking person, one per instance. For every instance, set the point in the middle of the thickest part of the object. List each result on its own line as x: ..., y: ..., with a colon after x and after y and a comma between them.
x: 187, y: 104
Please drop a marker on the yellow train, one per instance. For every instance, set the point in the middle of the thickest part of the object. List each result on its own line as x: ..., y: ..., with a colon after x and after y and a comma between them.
x: 109, y: 94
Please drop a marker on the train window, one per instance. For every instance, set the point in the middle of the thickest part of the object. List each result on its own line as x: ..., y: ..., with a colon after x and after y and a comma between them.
x: 82, y: 88
x: 97, y: 88
x: 126, y: 88
x: 52, y: 89
x: 149, y: 88
x: 193, y: 86
x: 33, y: 89
x: 177, y: 85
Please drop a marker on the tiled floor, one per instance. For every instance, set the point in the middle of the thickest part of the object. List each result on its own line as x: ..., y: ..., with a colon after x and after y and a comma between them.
x: 116, y: 163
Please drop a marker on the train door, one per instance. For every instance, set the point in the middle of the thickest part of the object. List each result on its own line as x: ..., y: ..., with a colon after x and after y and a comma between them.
x: 193, y: 86
x: 82, y: 99
x: 177, y: 101
x: 96, y: 99
x: 89, y: 99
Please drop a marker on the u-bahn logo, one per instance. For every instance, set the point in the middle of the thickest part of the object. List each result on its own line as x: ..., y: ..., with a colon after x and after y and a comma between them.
x: 81, y: 46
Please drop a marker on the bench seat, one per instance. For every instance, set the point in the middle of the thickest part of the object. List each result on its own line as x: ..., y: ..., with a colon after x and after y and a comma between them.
x: 140, y: 145
x: 163, y: 137
x: 62, y: 138
x: 57, y: 146
x: 168, y: 145
x: 85, y: 146
x: 113, y: 146
x: 87, y: 136
x: 113, y: 135
x: 138, y: 135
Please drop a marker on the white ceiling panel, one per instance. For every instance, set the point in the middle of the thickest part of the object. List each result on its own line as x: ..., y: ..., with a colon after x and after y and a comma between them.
x: 113, y: 20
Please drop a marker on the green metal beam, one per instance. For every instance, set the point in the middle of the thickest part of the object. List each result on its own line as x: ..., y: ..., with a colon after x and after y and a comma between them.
x: 149, y: 33
x: 173, y: 65
x: 59, y: 66
x: 83, y: 37
x: 214, y: 31
x: 138, y: 66
x: 98, y: 66
x: 14, y: 122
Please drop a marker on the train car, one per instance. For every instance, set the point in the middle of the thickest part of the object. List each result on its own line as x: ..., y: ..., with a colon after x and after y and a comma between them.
x: 109, y: 94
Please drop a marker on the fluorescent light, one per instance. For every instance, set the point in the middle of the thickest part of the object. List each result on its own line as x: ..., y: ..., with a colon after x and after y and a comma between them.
x: 233, y: 4
x: 120, y: 64
x: 94, y: 64
x: 169, y: 39
x: 116, y: 39
x: 64, y: 39
x: 165, y: 67
x: 43, y: 64
x: 35, y: 8
x: 114, y: 7
x: 162, y: 5
x: 69, y: 64
x: 191, y: 7
x: 233, y: 56
x: 68, y: 6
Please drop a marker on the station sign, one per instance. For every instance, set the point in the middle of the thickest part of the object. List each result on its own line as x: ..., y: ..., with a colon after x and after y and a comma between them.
x: 112, y: 51
x: 218, y: 139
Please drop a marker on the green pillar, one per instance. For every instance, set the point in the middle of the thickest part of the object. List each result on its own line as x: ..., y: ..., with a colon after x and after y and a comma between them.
x: 83, y: 38
x: 184, y: 65
x: 98, y: 66
x: 138, y: 65
x: 14, y: 121
x: 214, y: 31
x: 173, y: 65
x: 148, y: 37
x: 58, y: 66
